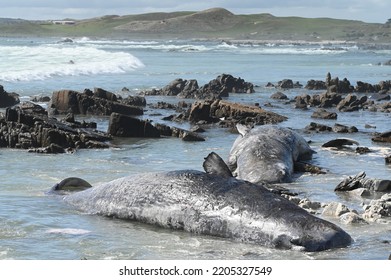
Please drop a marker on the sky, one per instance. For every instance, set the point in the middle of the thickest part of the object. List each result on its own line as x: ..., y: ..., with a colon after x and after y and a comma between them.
x: 377, y: 11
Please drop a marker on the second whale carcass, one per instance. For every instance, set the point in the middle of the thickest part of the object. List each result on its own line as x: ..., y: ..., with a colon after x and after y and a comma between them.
x: 267, y: 153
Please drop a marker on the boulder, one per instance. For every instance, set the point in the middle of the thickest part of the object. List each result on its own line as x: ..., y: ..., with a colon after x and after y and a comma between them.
x: 317, y: 127
x: 99, y: 102
x: 29, y: 127
x: 323, y: 114
x: 215, y: 110
x: 127, y: 126
x: 335, y: 209
x: 316, y: 85
x: 183, y: 134
x: 340, y: 128
x: 360, y: 181
x: 383, y: 137
x: 222, y: 86
x: 279, y: 95
x: 8, y: 99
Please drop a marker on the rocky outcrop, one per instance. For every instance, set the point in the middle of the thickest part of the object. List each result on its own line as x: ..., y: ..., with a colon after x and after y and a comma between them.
x: 211, y: 111
x: 8, y: 99
x: 323, y: 114
x: 29, y: 127
x: 378, y: 208
x: 360, y: 181
x: 288, y: 84
x: 183, y: 134
x: 98, y: 102
x: 127, y: 126
x: 382, y: 137
x: 222, y: 86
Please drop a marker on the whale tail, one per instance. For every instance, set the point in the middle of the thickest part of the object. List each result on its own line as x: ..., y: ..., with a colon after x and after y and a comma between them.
x: 71, y: 184
x: 214, y: 164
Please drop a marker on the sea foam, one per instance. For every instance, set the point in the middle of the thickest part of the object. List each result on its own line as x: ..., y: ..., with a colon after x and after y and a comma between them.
x: 26, y: 63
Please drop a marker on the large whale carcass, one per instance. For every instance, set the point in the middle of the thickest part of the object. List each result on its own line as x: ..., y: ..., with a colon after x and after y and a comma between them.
x: 212, y: 203
x: 267, y: 153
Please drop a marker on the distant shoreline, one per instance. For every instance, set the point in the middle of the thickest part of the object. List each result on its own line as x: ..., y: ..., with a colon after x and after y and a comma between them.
x: 212, y: 24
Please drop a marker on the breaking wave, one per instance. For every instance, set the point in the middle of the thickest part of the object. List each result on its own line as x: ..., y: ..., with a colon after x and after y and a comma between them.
x: 26, y: 63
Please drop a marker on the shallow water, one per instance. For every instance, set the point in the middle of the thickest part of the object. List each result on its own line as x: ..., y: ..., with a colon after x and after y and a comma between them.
x: 34, y: 225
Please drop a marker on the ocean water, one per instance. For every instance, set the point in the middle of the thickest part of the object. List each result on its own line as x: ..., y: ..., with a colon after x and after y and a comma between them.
x: 34, y: 225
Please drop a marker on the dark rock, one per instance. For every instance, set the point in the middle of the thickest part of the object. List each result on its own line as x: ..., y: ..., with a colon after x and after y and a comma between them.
x: 288, y: 84
x: 29, y: 127
x: 215, y: 110
x: 127, y: 126
x: 338, y: 143
x: 339, y: 128
x: 138, y: 101
x: 338, y: 86
x: 69, y: 101
x: 40, y: 99
x: 363, y: 150
x: 8, y: 99
x: 388, y: 159
x: 104, y: 94
x: 279, y: 95
x: 360, y: 181
x: 317, y: 127
x: 183, y: 134
x: 323, y: 114
x: 216, y: 88
x: 316, y: 85
x: 382, y: 137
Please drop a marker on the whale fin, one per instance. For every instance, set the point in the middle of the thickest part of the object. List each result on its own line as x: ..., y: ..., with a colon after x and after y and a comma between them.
x: 242, y: 129
x: 71, y: 184
x: 214, y: 164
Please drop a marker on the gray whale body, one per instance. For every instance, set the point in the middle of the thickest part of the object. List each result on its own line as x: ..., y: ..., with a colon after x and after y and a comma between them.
x: 267, y: 154
x: 211, y: 204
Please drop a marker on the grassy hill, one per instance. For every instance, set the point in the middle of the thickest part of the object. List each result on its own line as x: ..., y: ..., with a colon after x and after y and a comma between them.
x: 214, y: 23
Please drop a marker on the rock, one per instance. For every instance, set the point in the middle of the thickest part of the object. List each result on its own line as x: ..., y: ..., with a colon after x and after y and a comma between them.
x: 317, y: 127
x: 323, y: 114
x: 40, y: 99
x: 29, y: 127
x: 127, y: 126
x: 279, y: 95
x: 104, y: 94
x: 99, y: 102
x: 338, y: 86
x: 378, y: 208
x: 388, y: 159
x: 138, y: 101
x: 214, y: 110
x: 351, y: 218
x: 382, y: 137
x: 8, y: 99
x: 183, y: 134
x: 335, y: 209
x: 338, y: 143
x: 288, y: 84
x: 222, y: 86
x: 363, y: 150
x: 339, y: 128
x: 360, y: 181
x: 307, y: 204
x: 316, y: 85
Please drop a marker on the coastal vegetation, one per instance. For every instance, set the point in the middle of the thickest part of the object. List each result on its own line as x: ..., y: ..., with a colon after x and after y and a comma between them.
x: 216, y: 23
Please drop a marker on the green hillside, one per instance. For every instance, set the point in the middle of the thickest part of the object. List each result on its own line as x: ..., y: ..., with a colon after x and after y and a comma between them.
x: 214, y: 23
